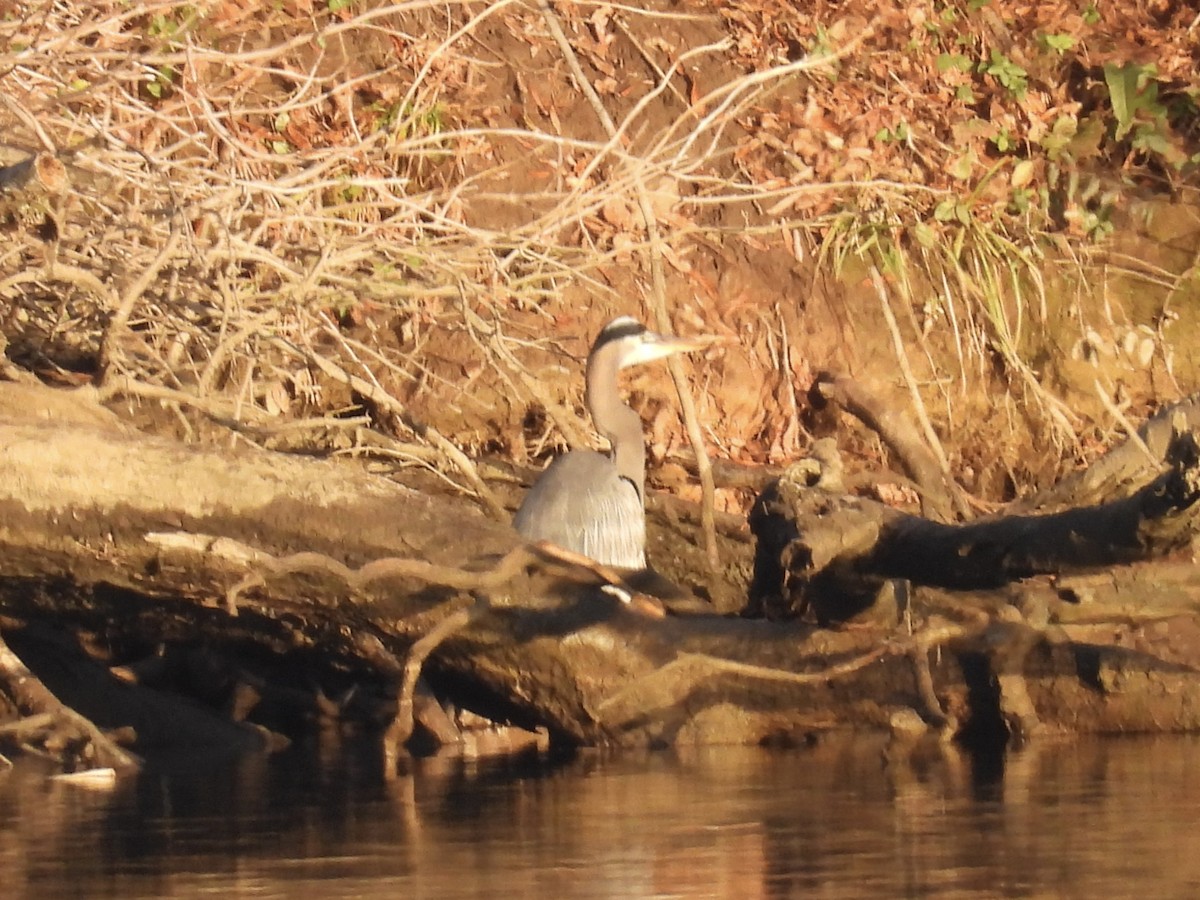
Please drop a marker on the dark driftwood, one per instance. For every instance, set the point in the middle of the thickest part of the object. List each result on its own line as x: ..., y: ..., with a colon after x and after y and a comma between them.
x: 821, y: 547
x: 330, y: 590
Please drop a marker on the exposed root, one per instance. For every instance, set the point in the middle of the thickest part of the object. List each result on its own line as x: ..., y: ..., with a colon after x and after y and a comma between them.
x: 672, y: 682
x: 514, y: 563
x: 457, y: 618
x: 61, y: 733
x: 932, y: 706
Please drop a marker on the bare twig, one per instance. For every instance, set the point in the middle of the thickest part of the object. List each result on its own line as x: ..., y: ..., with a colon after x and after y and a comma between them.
x: 1131, y: 432
x: 375, y: 394
x: 910, y: 381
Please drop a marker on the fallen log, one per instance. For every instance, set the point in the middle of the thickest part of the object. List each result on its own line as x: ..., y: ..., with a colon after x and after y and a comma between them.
x: 332, y: 590
x: 831, y: 551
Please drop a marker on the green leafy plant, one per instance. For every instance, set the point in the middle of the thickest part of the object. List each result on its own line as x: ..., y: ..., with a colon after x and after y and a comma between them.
x: 1007, y: 72
x: 899, y: 134
x: 1133, y: 92
x: 1056, y: 43
x: 1140, y: 114
x: 160, y: 86
x: 408, y: 121
x: 948, y: 61
x: 823, y: 48
x: 171, y: 29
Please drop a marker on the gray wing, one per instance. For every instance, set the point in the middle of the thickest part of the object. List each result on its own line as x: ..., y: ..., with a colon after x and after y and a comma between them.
x: 582, y: 504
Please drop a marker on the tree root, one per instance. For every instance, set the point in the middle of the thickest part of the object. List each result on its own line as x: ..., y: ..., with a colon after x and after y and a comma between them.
x: 72, y: 740
x: 673, y: 681
x: 540, y: 554
x: 458, y: 617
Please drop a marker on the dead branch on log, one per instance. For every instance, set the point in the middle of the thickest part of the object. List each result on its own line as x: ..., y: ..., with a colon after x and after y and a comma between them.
x: 1154, y: 521
x: 543, y: 555
x: 826, y: 551
x: 941, y: 498
x: 1127, y: 466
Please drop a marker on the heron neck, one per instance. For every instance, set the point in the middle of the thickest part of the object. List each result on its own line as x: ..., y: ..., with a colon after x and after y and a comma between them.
x: 615, y: 420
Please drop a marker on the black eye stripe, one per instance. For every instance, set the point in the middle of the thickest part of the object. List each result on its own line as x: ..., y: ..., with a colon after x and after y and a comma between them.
x: 619, y: 328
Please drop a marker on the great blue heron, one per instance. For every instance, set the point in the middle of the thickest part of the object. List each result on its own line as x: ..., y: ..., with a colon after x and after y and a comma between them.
x: 586, y: 501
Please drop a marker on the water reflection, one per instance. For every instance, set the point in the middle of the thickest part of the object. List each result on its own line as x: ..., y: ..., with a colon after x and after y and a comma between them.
x: 1077, y: 819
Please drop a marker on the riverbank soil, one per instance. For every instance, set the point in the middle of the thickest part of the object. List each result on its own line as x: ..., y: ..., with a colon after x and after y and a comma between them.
x: 289, y: 292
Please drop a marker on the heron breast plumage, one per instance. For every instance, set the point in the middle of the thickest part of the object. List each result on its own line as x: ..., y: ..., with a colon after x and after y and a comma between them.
x: 583, y: 504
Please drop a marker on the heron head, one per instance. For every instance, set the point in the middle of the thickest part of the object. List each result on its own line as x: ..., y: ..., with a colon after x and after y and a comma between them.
x: 634, y: 344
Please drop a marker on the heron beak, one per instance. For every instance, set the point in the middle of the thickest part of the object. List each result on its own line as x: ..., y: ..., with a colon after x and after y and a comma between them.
x: 658, y: 346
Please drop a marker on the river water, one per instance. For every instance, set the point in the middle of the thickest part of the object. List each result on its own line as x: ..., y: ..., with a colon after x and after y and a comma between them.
x: 843, y: 819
